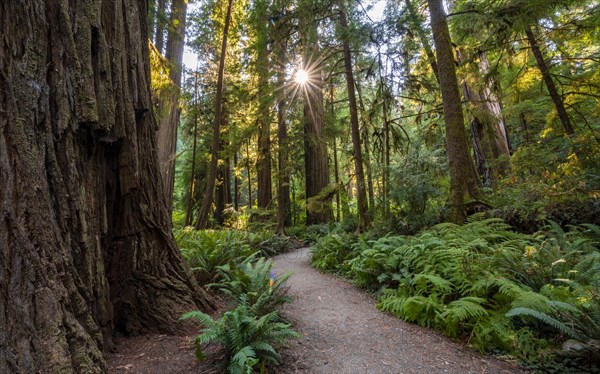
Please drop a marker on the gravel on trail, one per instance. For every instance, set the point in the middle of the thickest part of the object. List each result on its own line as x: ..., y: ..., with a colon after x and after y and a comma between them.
x: 343, y: 332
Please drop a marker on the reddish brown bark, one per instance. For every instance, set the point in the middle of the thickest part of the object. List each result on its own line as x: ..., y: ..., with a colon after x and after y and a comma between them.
x: 263, y: 162
x: 316, y: 163
x: 85, y: 245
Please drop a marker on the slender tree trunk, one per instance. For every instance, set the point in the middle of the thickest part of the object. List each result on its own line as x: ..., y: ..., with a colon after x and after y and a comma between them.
x: 367, y: 143
x: 161, y: 21
x: 152, y: 10
x: 236, y: 184
x: 524, y: 127
x: 191, y: 193
x: 283, y: 193
x: 316, y: 163
x: 207, y: 199
x: 386, y: 156
x: 263, y: 162
x: 222, y: 188
x: 463, y: 180
x: 249, y: 172
x: 168, y: 107
x: 417, y: 24
x: 363, y: 208
x: 222, y: 184
x: 85, y: 240
x: 335, y: 157
x: 550, y: 85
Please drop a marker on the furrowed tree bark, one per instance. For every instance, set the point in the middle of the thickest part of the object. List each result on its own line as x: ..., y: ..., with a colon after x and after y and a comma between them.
x: 263, y: 162
x: 168, y: 111
x: 316, y: 163
x: 550, y: 85
x: 85, y: 244
x: 364, y: 220
x: 222, y: 183
x: 386, y: 136
x: 463, y: 180
x: 208, y: 197
x: 249, y: 174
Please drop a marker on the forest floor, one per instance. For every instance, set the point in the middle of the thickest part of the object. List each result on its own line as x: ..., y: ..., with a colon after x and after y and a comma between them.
x: 342, y: 332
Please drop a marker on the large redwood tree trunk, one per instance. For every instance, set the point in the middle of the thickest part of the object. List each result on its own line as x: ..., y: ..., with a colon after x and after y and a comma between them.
x: 84, y: 242
x: 265, y: 102
x: 316, y: 163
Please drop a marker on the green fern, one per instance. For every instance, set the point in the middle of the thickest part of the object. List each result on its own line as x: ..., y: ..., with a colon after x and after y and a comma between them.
x: 247, y: 340
x: 255, y: 284
x: 546, y: 318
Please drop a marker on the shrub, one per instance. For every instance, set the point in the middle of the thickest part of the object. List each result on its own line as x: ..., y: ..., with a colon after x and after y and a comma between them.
x: 206, y: 250
x: 330, y: 252
x: 254, y: 284
x: 248, y: 341
x: 270, y: 244
x: 501, y: 290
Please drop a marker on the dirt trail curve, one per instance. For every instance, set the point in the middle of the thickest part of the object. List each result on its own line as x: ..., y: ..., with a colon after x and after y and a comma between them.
x: 343, y: 332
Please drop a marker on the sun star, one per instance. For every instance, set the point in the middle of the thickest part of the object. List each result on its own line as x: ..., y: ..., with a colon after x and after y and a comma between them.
x: 301, y: 76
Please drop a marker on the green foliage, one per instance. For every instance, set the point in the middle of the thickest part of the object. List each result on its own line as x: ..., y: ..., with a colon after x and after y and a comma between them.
x: 250, y: 333
x: 483, y: 282
x: 249, y: 341
x: 261, y: 220
x: 205, y: 251
x: 419, y: 188
x: 269, y: 244
x: 330, y: 252
x: 254, y: 284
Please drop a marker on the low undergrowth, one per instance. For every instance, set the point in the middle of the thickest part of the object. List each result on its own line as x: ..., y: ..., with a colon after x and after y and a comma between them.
x: 535, y: 297
x: 231, y: 262
x: 206, y: 250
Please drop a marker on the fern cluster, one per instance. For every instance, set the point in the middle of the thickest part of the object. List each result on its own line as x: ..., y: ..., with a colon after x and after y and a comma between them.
x: 249, y: 341
x: 254, y: 284
x: 252, y: 331
x: 500, y: 290
x: 330, y: 252
x: 207, y: 250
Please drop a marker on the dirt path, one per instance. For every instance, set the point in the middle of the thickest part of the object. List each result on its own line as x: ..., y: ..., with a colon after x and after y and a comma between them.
x: 343, y: 332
